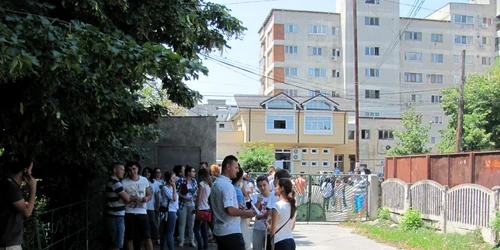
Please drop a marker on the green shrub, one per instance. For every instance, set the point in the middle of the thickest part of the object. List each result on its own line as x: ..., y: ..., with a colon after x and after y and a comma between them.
x: 495, y: 224
x: 411, y: 220
x: 384, y: 213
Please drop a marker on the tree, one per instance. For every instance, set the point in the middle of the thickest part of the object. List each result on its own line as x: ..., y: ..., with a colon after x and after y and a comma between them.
x: 481, y: 108
x: 154, y: 95
x: 257, y: 157
x: 414, y: 138
x: 71, y: 73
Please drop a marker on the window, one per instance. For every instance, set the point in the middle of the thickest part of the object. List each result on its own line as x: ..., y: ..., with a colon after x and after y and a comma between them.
x: 291, y: 72
x: 290, y: 28
x: 365, y: 134
x: 456, y: 79
x: 316, y: 72
x: 290, y: 92
x: 305, y: 151
x: 385, y: 135
x: 372, y: 51
x: 413, y: 77
x: 486, y: 22
x: 317, y: 105
x: 222, y: 125
x: 433, y: 139
x: 372, y: 72
x: 314, y: 164
x: 373, y: 21
x: 416, y: 98
x: 486, y: 60
x: 413, y: 56
x: 326, y: 151
x: 436, y: 99
x: 304, y: 164
x: 318, y: 125
x: 469, y: 60
x: 336, y: 52
x: 372, y: 94
x: 335, y: 73
x: 311, y: 93
x: 413, y: 36
x: 338, y: 161
x: 315, y: 51
x: 351, y: 135
x: 280, y: 124
x: 464, y: 19
x: 436, y: 38
x: 314, y: 151
x: 325, y: 163
x: 372, y: 114
x: 291, y: 50
x: 336, y: 31
x: 436, y: 78
x: 485, y: 40
x: 436, y: 119
x: 437, y: 58
x: 372, y: 1
x: 468, y: 40
x: 279, y: 104
x: 317, y: 29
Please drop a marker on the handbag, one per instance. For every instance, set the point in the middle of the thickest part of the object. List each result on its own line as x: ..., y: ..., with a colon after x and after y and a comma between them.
x: 270, y: 238
x: 203, y: 215
x: 164, y: 210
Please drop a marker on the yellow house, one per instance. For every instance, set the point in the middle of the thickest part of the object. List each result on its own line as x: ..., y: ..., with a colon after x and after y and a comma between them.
x: 309, y: 134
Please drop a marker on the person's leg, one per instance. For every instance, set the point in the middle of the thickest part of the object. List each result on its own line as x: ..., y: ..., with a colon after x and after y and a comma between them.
x: 144, y: 230
x: 153, y: 225
x: 190, y: 224
x: 204, y: 234
x: 163, y: 235
x: 197, y: 233
x: 182, y: 213
x: 172, y: 219
x: 129, y: 231
x: 258, y: 239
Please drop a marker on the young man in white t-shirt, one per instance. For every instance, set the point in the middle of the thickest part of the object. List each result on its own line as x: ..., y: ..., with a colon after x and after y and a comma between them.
x: 260, y: 201
x: 136, y: 218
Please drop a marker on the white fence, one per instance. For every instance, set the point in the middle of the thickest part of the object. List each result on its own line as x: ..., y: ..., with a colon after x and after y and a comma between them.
x: 466, y: 207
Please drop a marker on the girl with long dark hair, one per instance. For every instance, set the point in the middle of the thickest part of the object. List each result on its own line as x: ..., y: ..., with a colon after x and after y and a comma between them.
x: 201, y: 227
x: 283, y: 216
x: 169, y: 206
x: 153, y: 205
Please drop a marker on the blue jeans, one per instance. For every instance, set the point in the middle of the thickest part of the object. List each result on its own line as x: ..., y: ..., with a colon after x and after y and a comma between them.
x: 186, y: 219
x: 167, y: 232
x: 116, y: 230
x: 201, y: 233
x: 286, y: 244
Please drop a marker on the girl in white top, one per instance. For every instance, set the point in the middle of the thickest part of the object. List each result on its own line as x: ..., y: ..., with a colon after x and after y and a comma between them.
x: 283, y: 215
x: 201, y: 227
x: 169, y: 205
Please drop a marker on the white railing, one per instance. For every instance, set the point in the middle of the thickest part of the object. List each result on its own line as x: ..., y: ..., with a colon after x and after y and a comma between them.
x: 462, y: 208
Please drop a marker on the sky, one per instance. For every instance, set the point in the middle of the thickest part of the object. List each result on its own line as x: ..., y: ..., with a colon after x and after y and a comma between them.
x: 222, y: 83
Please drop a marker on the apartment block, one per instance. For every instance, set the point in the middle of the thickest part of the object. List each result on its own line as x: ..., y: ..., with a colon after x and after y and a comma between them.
x: 402, y: 61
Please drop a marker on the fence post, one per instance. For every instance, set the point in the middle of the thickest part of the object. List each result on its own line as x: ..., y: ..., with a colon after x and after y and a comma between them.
x: 444, y: 208
x: 309, y: 187
x: 373, y: 196
x: 87, y: 224
x: 407, y: 204
x: 37, y: 233
x: 496, y: 207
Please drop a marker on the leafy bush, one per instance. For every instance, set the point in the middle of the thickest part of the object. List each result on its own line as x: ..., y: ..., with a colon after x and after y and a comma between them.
x: 495, y: 224
x: 411, y: 220
x: 384, y: 214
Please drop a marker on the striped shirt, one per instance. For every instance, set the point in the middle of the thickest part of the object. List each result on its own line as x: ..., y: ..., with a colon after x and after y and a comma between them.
x: 114, y: 205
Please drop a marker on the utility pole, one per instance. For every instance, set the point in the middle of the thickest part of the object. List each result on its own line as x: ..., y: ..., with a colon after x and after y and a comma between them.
x: 460, y: 122
x: 356, y: 79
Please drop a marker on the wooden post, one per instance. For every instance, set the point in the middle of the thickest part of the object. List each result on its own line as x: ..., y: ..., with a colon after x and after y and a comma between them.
x: 356, y: 80
x: 460, y: 125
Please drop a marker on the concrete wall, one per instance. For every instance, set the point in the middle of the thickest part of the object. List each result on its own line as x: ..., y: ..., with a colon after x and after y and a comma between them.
x: 185, y: 140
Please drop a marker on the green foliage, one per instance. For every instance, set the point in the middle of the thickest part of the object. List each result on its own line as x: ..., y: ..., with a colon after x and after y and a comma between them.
x: 72, y: 72
x: 481, y: 109
x: 154, y: 95
x: 384, y: 214
x: 257, y: 157
x: 414, y: 137
x: 411, y: 220
x: 495, y: 224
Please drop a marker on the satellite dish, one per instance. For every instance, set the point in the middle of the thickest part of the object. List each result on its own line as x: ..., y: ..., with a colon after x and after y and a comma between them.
x: 387, y: 147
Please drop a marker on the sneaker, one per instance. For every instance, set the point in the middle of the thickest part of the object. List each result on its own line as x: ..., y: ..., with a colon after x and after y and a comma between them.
x: 193, y: 244
x: 181, y: 244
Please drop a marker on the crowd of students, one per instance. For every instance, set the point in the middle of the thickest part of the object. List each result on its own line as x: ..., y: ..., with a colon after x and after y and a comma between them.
x: 154, y: 207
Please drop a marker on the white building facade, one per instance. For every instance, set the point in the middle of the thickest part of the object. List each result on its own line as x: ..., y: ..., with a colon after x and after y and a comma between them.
x: 402, y: 61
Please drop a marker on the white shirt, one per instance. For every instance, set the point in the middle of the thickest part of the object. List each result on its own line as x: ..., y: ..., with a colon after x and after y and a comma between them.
x: 155, y: 188
x: 260, y: 224
x: 167, y: 196
x: 135, y: 189
x: 223, y: 195
x: 272, y: 200
x: 283, y: 209
x: 204, y: 196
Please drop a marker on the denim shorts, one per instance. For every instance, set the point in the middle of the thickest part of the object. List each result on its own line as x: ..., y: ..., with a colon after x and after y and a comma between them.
x: 359, y: 202
x: 116, y: 230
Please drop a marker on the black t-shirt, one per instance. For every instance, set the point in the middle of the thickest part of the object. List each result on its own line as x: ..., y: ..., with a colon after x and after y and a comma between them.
x: 11, y: 221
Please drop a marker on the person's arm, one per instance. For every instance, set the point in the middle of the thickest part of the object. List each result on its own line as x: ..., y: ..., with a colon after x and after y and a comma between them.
x: 148, y: 195
x: 200, y: 190
x: 293, y: 226
x: 232, y: 211
x: 263, y: 215
x: 157, y: 200
x: 274, y: 221
x: 26, y: 208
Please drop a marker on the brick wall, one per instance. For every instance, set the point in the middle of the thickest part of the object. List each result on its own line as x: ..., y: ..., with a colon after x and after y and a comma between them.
x: 278, y: 32
x: 279, y: 74
x: 278, y: 53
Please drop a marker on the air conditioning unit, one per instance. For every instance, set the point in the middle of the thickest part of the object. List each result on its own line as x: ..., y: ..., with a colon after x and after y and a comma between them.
x: 409, y: 104
x: 334, y: 58
x: 296, y: 154
x: 484, y: 25
x: 384, y: 148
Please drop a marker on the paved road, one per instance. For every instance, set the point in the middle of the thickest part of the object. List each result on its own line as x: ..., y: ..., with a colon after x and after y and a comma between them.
x: 324, y: 236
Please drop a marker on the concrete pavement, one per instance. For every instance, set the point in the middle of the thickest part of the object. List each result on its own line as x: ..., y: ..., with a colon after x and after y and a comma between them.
x: 324, y: 236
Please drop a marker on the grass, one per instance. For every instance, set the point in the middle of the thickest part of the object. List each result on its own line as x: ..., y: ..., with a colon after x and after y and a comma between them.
x: 422, y: 238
